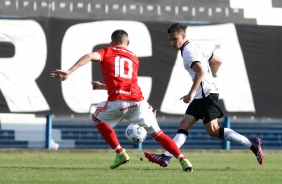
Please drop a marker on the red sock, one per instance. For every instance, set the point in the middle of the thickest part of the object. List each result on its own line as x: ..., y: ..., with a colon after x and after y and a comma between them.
x: 169, y: 145
x: 109, y: 135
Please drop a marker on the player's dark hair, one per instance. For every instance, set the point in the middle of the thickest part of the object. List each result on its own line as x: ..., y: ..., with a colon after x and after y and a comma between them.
x: 176, y: 27
x: 119, y: 36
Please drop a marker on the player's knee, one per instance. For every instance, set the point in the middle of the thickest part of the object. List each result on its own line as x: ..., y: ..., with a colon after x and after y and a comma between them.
x: 152, y: 130
x: 96, y: 120
x: 156, y: 134
x: 212, y: 133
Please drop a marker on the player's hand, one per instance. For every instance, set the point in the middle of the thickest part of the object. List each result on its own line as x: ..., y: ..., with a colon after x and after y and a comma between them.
x: 97, y: 85
x: 186, y: 99
x: 60, y: 74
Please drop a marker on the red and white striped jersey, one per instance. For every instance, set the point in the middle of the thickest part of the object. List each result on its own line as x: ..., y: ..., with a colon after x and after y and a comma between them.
x: 120, y: 68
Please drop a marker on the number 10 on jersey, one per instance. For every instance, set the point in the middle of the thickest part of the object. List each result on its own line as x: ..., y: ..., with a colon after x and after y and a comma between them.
x: 120, y: 67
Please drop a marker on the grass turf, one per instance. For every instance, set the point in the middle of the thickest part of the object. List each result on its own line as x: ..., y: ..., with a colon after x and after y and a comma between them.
x: 92, y: 166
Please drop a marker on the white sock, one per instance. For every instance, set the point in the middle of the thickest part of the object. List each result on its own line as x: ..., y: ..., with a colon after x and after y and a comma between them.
x: 179, y: 140
x: 232, y: 136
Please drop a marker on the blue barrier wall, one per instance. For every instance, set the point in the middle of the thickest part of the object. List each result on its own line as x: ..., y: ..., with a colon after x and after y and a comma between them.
x: 80, y: 133
x: 86, y: 136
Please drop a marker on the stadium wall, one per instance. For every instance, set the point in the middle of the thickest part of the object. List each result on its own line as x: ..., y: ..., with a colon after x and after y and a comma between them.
x: 249, y: 79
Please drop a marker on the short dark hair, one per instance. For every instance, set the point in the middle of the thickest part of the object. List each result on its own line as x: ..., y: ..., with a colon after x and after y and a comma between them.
x: 119, y: 36
x: 176, y: 27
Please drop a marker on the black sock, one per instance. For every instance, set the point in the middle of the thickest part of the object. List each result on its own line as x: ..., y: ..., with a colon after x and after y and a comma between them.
x: 185, y: 132
x: 221, y: 133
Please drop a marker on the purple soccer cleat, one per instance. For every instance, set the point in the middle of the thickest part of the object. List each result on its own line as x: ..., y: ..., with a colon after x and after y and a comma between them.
x: 161, y: 159
x: 259, y: 153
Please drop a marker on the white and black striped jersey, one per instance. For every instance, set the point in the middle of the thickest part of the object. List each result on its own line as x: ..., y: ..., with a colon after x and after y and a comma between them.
x: 191, y: 53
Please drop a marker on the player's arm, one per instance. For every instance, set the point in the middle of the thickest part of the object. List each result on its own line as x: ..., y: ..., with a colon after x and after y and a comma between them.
x: 98, y: 85
x: 64, y: 74
x: 198, y: 68
x: 215, y: 64
x: 94, y: 56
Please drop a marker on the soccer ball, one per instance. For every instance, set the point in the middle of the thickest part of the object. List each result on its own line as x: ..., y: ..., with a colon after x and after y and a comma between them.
x: 135, y: 134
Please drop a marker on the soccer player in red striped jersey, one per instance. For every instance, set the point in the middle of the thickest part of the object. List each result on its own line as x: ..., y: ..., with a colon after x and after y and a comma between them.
x: 125, y: 100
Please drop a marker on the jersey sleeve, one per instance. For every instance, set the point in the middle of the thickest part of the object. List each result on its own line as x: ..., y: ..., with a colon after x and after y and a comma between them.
x: 196, y: 54
x: 102, y: 53
x: 190, y: 56
x: 210, y: 56
x: 208, y: 53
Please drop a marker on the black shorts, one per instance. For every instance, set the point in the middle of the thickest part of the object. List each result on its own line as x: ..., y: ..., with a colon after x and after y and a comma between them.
x: 206, y: 108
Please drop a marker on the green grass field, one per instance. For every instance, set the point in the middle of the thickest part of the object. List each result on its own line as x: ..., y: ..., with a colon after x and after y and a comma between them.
x: 92, y: 166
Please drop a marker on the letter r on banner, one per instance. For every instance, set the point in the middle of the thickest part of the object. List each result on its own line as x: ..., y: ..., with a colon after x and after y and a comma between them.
x: 18, y: 73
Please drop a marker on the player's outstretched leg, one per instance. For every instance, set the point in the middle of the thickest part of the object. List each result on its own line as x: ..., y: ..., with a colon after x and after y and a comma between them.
x: 256, y: 148
x: 121, y: 158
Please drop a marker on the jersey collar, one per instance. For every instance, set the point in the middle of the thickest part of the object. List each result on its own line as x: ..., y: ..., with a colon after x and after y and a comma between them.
x: 185, y: 43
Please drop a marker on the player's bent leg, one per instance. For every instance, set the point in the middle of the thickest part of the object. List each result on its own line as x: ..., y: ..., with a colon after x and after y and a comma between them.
x: 212, y: 129
x: 110, y: 137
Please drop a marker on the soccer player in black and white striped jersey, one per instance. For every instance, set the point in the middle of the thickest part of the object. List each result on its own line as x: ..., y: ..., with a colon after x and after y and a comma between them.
x: 202, y: 65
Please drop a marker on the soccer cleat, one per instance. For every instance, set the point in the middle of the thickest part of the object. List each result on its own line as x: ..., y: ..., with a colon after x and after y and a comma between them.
x: 256, y: 143
x: 161, y: 159
x: 186, y: 165
x: 121, y: 158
